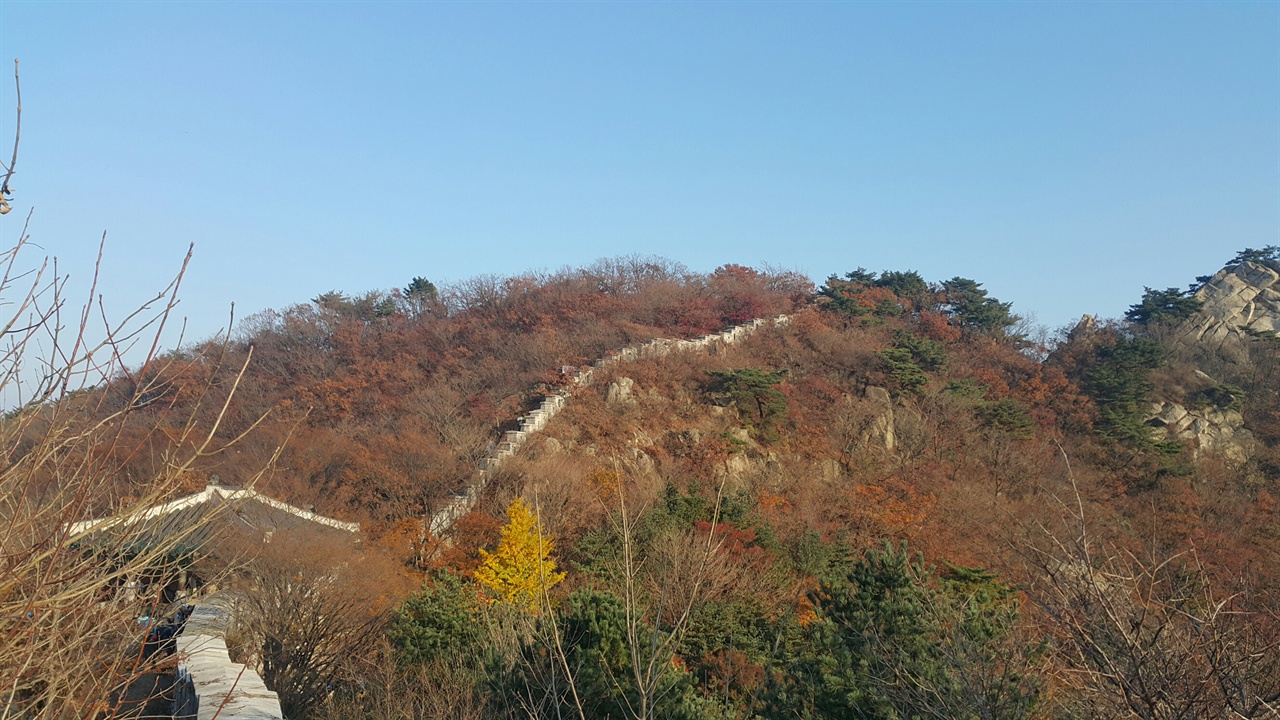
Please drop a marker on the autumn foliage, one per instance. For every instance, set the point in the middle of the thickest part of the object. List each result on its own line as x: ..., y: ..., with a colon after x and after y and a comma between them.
x: 521, y: 569
x: 762, y: 482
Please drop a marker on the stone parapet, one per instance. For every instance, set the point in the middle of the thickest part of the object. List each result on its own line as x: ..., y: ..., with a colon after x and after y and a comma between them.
x: 209, y: 684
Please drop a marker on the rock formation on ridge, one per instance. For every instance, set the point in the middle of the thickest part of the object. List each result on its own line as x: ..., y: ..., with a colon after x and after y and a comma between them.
x: 1238, y: 300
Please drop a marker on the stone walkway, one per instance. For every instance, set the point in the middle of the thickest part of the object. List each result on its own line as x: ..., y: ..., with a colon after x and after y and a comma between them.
x: 209, y: 685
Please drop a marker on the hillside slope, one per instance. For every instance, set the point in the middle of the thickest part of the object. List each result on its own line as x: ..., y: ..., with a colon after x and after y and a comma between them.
x: 894, y: 492
x: 876, y: 416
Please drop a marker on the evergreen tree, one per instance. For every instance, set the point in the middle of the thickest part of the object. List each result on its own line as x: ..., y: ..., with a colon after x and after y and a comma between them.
x: 438, y: 621
x: 1118, y: 382
x: 910, y: 358
x: 850, y: 295
x: 843, y: 293
x: 422, y: 298
x: 861, y: 277
x: 895, y: 641
x: 1269, y: 254
x: 970, y: 307
x: 593, y: 628
x: 753, y: 393
x: 907, y: 285
x: 421, y: 290
x: 1009, y: 415
x: 1168, y: 306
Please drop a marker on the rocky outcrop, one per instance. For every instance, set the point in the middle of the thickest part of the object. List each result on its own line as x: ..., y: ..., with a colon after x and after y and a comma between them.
x: 1087, y: 326
x: 881, y: 430
x: 1209, y: 430
x: 1238, y: 302
x: 620, y: 392
x: 1238, y: 299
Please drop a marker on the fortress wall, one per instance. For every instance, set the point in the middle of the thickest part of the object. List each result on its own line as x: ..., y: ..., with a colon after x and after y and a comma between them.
x: 209, y: 684
x: 551, y: 405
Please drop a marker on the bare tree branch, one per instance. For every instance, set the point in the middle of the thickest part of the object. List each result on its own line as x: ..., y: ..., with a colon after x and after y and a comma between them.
x: 5, y: 192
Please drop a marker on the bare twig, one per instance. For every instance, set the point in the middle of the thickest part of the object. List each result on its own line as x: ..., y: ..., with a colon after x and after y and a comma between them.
x: 5, y: 192
x: 559, y: 653
x: 67, y: 597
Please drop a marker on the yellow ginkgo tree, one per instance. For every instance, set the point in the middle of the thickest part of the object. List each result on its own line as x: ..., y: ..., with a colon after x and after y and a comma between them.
x: 521, y: 567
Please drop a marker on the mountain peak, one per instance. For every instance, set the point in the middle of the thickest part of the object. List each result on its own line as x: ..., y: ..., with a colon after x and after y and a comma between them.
x: 1239, y: 300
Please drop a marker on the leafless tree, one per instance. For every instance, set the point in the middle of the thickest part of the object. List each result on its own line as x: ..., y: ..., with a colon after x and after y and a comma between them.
x: 304, y: 609
x: 70, y: 591
x: 440, y: 690
x: 660, y: 591
x: 5, y: 192
x: 441, y: 406
x: 1147, y: 636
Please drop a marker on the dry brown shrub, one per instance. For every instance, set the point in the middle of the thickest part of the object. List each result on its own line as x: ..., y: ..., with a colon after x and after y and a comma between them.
x: 306, y: 604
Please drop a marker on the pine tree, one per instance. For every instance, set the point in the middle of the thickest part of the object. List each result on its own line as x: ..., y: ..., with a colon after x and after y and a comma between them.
x: 521, y: 568
x: 436, y: 622
x: 752, y: 392
x: 1169, y: 305
x: 970, y: 307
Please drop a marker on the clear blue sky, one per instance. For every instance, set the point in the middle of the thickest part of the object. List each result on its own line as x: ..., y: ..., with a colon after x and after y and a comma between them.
x: 1064, y: 154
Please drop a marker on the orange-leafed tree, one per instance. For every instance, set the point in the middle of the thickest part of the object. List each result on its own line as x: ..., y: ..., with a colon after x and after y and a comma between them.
x: 521, y: 568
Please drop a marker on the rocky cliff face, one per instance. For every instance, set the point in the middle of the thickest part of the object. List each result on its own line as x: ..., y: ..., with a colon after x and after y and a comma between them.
x: 1238, y: 301
x: 1208, y: 430
x: 1242, y: 298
